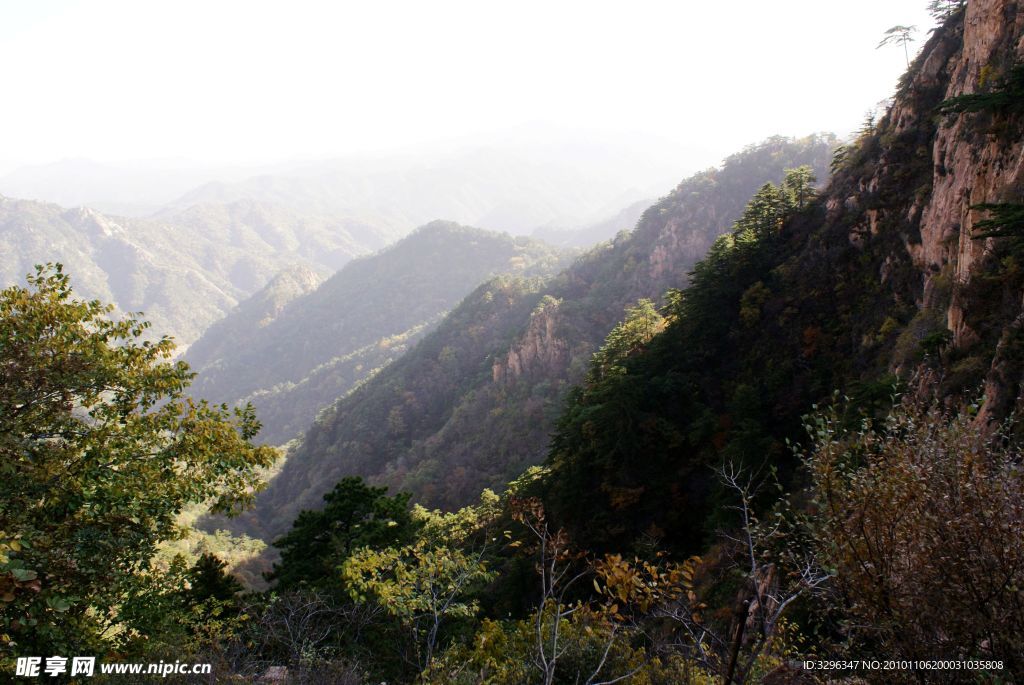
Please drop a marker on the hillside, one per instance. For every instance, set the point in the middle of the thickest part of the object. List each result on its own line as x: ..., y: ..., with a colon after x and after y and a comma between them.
x: 902, y: 274
x: 185, y: 270
x: 501, y: 398
x: 292, y: 358
x: 253, y: 314
x: 261, y: 228
x: 771, y: 435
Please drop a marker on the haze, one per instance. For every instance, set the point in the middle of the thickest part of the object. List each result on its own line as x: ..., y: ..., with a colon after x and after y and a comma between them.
x: 248, y: 83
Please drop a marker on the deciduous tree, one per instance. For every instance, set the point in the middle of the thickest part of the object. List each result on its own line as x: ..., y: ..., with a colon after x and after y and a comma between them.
x: 99, y: 453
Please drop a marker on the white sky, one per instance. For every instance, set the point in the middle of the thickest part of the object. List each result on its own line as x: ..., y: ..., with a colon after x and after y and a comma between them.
x: 223, y: 81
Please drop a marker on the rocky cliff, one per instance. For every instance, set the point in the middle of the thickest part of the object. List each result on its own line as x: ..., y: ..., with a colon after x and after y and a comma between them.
x: 540, y: 352
x: 929, y: 176
x: 978, y: 159
x: 884, y: 282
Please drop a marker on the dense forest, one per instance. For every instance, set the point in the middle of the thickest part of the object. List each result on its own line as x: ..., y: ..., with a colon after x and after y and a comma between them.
x: 473, y: 405
x: 766, y: 435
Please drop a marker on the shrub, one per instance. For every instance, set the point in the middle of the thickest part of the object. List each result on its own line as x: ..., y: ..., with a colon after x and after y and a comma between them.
x: 921, y: 520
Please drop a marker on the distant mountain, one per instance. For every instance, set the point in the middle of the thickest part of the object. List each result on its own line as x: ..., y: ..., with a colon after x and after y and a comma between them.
x: 264, y: 229
x: 184, y: 270
x: 474, y: 403
x: 516, y: 184
x: 294, y: 348
x: 592, y: 234
x: 247, y: 320
x: 514, y: 180
x: 131, y: 189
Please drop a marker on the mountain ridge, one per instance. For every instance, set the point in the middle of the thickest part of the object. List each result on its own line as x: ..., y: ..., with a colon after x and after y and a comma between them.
x: 325, y: 341
x: 883, y: 286
x: 184, y: 272
x: 494, y: 420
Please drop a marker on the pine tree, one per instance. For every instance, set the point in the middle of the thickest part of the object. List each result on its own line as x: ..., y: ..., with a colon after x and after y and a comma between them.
x: 209, y: 579
x: 354, y: 515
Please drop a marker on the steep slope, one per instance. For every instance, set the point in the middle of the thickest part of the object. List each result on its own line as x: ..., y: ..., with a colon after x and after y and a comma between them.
x: 500, y: 402
x: 246, y: 320
x: 318, y: 346
x: 184, y: 271
x: 884, y: 277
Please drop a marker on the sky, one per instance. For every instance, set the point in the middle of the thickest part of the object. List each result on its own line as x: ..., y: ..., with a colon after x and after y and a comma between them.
x: 225, y: 81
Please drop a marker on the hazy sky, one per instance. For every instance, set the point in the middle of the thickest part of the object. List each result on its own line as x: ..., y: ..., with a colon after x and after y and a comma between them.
x: 224, y: 81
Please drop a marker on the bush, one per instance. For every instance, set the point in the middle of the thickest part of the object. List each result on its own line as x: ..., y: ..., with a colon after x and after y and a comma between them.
x: 921, y: 520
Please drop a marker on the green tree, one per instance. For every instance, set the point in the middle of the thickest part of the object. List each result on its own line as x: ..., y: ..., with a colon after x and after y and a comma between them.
x: 764, y: 214
x: 186, y: 610
x: 355, y: 515
x: 629, y: 337
x: 943, y: 9
x: 899, y: 35
x: 1006, y: 220
x: 425, y: 586
x: 208, y: 579
x: 99, y: 453
x: 798, y: 185
x: 627, y: 439
x: 1002, y: 96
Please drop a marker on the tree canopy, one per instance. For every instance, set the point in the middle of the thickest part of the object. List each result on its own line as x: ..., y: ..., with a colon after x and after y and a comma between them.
x: 99, y: 454
x: 354, y: 515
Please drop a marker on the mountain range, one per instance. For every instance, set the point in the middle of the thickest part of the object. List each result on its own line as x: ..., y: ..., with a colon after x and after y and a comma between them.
x: 299, y: 344
x: 473, y: 403
x: 766, y: 422
x: 163, y: 239
x: 183, y: 271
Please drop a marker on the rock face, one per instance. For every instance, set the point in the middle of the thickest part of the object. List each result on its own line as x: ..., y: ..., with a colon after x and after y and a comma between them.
x: 971, y: 166
x: 920, y: 190
x: 539, y: 352
x: 678, y: 244
x: 975, y: 163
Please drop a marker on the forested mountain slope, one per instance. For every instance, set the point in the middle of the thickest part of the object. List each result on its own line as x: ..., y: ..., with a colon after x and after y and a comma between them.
x: 904, y: 271
x: 253, y: 314
x: 315, y: 347
x: 771, y: 421
x: 474, y: 403
x: 185, y: 270
x: 324, y: 239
